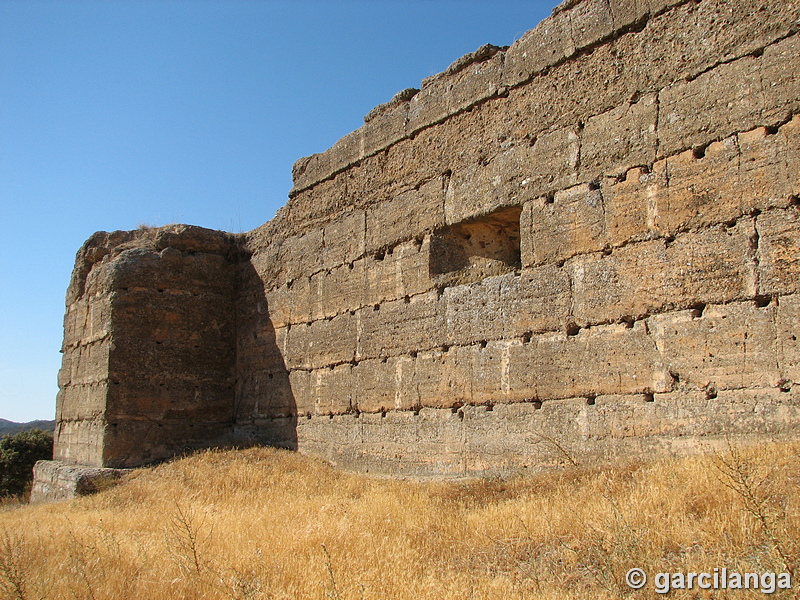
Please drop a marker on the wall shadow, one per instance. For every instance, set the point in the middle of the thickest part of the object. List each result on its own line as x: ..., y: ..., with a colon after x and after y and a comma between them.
x: 265, y: 410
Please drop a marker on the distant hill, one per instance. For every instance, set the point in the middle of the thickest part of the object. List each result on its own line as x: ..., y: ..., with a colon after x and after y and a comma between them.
x: 10, y: 427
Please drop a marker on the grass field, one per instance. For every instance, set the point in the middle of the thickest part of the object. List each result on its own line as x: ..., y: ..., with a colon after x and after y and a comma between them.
x: 264, y: 523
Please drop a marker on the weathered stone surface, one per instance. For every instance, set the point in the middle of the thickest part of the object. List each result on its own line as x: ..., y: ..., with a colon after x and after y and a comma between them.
x: 173, y: 286
x: 711, y: 265
x: 344, y: 239
x: 55, y: 481
x: 614, y: 359
x: 779, y: 251
x: 571, y: 222
x: 401, y: 326
x: 417, y: 210
x: 582, y: 245
x: 727, y: 347
x: 620, y: 139
x: 788, y: 346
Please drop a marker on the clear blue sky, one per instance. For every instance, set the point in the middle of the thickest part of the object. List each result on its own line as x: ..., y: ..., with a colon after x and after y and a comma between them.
x: 120, y: 113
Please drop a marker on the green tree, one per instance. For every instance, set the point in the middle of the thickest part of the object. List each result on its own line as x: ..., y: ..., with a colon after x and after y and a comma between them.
x: 18, y: 454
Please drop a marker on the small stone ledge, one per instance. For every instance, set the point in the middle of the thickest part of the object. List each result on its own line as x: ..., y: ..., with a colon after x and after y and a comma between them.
x: 54, y: 480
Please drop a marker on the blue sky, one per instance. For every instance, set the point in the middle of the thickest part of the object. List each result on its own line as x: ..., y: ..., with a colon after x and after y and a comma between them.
x: 120, y: 113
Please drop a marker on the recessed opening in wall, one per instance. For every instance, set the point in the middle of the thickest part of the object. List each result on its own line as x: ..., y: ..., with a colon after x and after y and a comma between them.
x: 477, y: 248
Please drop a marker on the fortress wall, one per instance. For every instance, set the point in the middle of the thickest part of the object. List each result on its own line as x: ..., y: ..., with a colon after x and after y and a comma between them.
x: 584, y: 163
x: 584, y: 245
x: 550, y: 225
x: 148, y: 349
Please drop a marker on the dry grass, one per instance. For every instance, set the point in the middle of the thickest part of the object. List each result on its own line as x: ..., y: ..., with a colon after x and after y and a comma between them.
x: 264, y: 523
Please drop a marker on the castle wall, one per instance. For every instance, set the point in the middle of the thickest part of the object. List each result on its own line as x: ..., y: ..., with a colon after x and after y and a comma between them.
x: 584, y: 245
x: 594, y: 229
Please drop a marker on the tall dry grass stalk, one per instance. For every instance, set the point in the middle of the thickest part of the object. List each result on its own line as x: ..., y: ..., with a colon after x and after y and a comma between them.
x: 265, y: 523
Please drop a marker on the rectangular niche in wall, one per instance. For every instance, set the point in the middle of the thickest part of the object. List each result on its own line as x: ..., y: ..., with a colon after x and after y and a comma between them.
x: 476, y: 248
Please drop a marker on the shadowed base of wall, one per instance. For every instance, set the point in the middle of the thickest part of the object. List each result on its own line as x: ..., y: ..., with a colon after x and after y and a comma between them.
x: 510, y: 439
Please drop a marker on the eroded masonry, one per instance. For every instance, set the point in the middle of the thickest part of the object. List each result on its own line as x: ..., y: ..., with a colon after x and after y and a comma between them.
x: 584, y: 245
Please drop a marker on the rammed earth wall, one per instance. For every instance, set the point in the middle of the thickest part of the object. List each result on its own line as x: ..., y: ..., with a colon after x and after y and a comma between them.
x: 582, y: 246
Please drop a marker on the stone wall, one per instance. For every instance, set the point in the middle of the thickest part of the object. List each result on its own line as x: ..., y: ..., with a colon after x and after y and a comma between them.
x: 584, y: 245
x: 149, y: 357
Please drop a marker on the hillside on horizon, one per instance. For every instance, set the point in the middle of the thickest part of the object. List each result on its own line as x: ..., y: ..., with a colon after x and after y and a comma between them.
x: 11, y: 427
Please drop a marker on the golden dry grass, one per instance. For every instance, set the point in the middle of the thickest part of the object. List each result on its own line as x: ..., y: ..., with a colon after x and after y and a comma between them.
x: 263, y: 523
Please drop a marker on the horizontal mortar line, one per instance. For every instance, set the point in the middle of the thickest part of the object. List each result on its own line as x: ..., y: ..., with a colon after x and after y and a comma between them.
x: 791, y: 114
x: 458, y: 406
x: 541, y: 401
x: 756, y: 53
x: 588, y: 179
x: 655, y: 236
x: 673, y: 309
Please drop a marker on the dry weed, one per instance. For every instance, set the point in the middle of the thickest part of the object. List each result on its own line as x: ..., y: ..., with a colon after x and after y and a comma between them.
x: 262, y: 523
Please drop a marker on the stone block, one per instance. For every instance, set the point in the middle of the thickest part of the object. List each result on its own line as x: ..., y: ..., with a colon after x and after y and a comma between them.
x: 264, y: 394
x: 789, y: 136
x: 727, y: 347
x: 290, y: 303
x: 778, y: 251
x: 551, y: 163
x: 449, y: 93
x: 590, y: 21
x: 474, y: 312
x: 401, y: 326
x: 88, y: 321
x: 488, y: 185
x: 296, y: 346
x: 337, y: 291
x: 312, y: 169
x: 332, y: 341
x: 80, y: 441
x: 172, y: 398
x: 54, y: 481
x: 629, y: 204
x: 376, y: 383
x: 764, y: 180
x: 781, y: 72
x: 413, y: 260
x: 302, y: 391
x: 617, y: 140
x: 627, y: 12
x: 489, y: 364
x: 344, y: 239
x: 539, y: 49
x: 718, y: 103
x: 405, y: 216
x: 701, y: 191
x: 384, y: 129
x: 83, y: 365
x: 788, y: 326
x: 382, y: 279
x: 570, y: 223
x: 76, y: 401
x: 334, y: 390
x: 538, y: 299
x: 711, y: 265
x: 301, y: 255
x: 611, y: 359
x: 439, y: 380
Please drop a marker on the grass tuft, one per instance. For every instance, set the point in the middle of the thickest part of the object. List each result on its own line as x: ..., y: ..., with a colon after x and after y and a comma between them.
x: 271, y: 524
